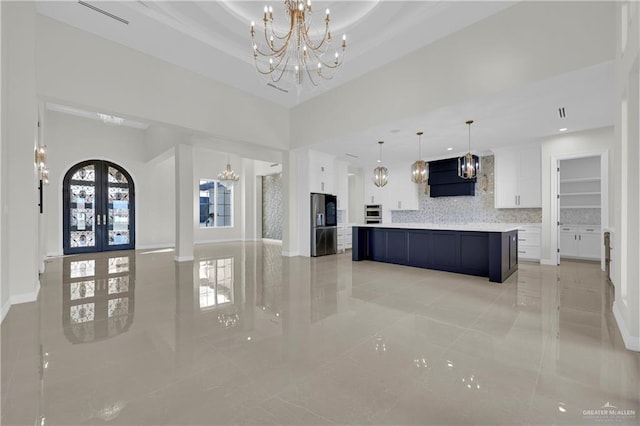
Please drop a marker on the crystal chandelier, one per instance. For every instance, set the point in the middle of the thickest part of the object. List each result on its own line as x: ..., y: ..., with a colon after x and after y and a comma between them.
x: 419, y: 168
x: 228, y: 174
x: 380, y: 173
x: 469, y: 165
x: 294, y: 57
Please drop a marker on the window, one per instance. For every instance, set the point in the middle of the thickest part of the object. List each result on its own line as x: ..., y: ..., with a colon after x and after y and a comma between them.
x: 216, y: 204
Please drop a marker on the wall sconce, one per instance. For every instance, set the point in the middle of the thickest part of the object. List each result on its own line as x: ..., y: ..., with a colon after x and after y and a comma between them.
x: 40, y: 156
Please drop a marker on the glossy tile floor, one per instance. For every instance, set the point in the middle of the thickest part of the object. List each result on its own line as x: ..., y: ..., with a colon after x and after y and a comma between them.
x: 244, y: 336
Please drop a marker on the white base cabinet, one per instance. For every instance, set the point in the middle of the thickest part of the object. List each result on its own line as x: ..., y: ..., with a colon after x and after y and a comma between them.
x: 529, y: 242
x: 580, y: 241
x: 345, y: 233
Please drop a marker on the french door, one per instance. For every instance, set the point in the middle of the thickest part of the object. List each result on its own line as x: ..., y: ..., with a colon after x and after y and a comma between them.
x: 98, y: 208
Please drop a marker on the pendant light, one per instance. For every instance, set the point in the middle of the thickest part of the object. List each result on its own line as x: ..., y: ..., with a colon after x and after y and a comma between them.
x: 469, y: 165
x: 419, y: 168
x: 228, y: 175
x: 380, y: 173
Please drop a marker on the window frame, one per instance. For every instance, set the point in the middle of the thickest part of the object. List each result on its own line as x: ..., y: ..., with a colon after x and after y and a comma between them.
x: 213, y: 204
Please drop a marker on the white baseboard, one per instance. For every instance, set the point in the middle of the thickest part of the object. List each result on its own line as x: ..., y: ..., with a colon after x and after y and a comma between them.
x: 270, y: 241
x: 4, y: 310
x: 630, y: 342
x: 230, y: 240
x: 290, y: 253
x: 548, y: 262
x: 183, y: 258
x: 154, y: 246
x: 16, y: 299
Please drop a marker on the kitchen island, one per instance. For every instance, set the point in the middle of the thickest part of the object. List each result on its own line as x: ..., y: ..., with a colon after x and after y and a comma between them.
x: 487, y: 250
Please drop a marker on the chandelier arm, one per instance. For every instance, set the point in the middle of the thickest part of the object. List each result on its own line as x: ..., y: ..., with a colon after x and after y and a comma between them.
x: 282, y: 72
x: 332, y: 65
x: 310, y: 76
x: 310, y: 43
x: 275, y: 51
x: 279, y: 56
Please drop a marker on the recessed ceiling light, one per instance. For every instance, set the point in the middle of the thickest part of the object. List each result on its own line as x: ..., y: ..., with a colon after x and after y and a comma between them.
x: 564, y: 129
x: 449, y: 149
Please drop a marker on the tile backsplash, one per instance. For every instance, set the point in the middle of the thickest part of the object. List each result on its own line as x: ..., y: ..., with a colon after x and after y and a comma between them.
x: 580, y: 216
x: 272, y: 206
x: 467, y: 209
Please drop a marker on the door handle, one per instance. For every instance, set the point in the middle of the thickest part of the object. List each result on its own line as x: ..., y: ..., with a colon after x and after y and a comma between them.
x: 98, y: 220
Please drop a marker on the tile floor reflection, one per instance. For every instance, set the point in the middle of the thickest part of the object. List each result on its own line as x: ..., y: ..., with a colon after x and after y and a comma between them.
x: 244, y: 336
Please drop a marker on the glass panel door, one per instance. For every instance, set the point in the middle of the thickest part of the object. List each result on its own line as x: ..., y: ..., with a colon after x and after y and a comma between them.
x: 118, y: 208
x: 98, y: 208
x: 82, y: 208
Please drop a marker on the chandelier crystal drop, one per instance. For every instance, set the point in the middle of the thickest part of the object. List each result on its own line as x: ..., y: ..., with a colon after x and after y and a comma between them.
x: 293, y: 56
x: 419, y: 168
x: 380, y: 173
x: 228, y: 174
x: 468, y: 164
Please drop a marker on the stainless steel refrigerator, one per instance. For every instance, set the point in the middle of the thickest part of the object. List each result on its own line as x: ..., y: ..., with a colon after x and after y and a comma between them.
x: 324, y: 224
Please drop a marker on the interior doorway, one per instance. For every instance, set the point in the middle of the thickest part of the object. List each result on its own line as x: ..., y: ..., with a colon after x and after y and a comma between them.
x: 581, y: 208
x: 98, y: 208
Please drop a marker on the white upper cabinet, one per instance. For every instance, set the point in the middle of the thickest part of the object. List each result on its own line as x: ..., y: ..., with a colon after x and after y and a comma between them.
x: 342, y: 184
x: 322, y: 173
x: 374, y: 194
x: 518, y: 177
x: 402, y: 192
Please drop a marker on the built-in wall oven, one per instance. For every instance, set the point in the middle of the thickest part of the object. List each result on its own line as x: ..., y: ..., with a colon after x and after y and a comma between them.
x: 373, y: 213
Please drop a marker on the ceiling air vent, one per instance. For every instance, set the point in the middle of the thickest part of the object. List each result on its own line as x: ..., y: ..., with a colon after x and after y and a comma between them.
x: 277, y: 88
x: 104, y: 12
x: 352, y: 156
x: 562, y: 113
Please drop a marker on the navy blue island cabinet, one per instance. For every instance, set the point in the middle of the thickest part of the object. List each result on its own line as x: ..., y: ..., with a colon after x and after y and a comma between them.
x: 489, y: 253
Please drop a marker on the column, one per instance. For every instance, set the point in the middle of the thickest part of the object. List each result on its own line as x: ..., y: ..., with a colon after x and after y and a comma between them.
x: 185, y: 191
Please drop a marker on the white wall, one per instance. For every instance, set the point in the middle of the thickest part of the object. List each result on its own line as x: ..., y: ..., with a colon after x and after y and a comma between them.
x: 626, y: 179
x: 4, y: 174
x: 20, y: 180
x: 504, y: 51
x: 155, y: 198
x: 356, y: 197
x: 124, y: 81
x: 572, y: 144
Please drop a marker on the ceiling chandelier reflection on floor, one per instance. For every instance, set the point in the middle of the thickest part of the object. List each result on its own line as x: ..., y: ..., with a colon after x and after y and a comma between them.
x: 294, y: 57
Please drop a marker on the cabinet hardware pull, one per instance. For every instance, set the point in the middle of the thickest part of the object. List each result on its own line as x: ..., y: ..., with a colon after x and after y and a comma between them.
x: 575, y: 237
x: 98, y: 219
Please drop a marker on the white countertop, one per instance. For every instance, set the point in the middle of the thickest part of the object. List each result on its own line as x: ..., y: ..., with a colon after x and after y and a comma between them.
x: 480, y: 227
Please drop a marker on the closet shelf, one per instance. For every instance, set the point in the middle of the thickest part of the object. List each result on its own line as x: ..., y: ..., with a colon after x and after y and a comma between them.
x: 587, y: 179
x: 579, y: 193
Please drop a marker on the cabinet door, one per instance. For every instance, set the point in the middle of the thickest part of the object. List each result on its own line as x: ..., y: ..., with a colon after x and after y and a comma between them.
x: 529, y: 181
x: 507, y: 162
x: 568, y: 244
x: 589, y: 245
